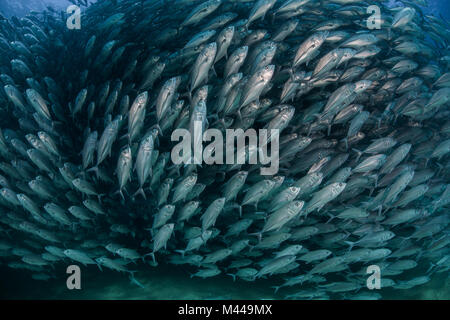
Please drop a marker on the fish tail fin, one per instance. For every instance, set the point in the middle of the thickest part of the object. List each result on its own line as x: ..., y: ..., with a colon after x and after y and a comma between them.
x: 258, y: 234
x: 182, y: 252
x: 132, y: 272
x: 99, y: 196
x: 379, y: 120
x: 125, y: 136
x: 351, y: 244
x: 317, y: 116
x: 359, y: 154
x: 133, y: 280
x: 94, y: 169
x: 141, y: 192
x: 246, y: 25
x: 213, y: 69
x: 120, y: 193
x: 348, y: 234
x: 345, y: 140
x: 263, y: 213
x: 331, y: 218
x: 232, y: 275
x: 432, y: 265
x: 375, y: 179
x: 99, y: 266
x: 150, y: 230
x: 403, y: 239
x: 189, y: 96
x: 152, y: 254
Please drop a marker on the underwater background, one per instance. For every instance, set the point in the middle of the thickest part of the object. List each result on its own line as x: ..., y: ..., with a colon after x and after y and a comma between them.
x: 174, y: 282
x: 20, y: 8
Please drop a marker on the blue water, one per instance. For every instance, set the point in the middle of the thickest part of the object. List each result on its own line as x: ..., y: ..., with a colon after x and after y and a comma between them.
x: 22, y: 7
x: 169, y: 282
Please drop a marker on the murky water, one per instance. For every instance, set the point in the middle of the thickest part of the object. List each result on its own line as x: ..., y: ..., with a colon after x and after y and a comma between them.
x: 174, y: 283
x: 171, y: 282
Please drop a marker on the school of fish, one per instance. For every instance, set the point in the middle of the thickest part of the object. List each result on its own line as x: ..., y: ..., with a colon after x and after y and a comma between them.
x: 86, y: 174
